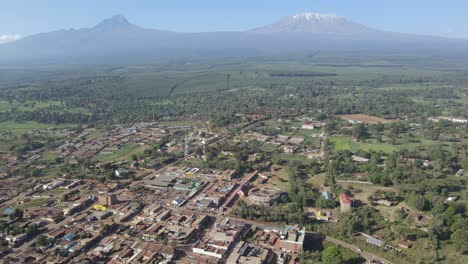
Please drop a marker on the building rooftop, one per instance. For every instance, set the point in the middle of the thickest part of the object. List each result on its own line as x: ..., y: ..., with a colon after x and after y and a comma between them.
x: 346, y: 199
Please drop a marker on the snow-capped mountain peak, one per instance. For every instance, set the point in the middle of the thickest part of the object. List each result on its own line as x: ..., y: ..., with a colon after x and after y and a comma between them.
x: 314, y: 23
x: 315, y: 17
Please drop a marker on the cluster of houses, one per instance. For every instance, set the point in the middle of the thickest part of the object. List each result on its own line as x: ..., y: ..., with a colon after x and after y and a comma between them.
x: 293, y: 144
x: 111, y: 142
x: 460, y: 120
x: 106, y: 226
x: 89, y: 221
x: 160, y: 213
x: 226, y: 241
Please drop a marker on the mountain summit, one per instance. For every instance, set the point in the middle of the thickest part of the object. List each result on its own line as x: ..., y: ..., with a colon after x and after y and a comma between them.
x: 315, y: 23
x: 115, y: 22
x: 317, y: 18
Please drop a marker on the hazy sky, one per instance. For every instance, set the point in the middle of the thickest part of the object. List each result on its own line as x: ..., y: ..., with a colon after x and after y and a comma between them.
x: 436, y: 17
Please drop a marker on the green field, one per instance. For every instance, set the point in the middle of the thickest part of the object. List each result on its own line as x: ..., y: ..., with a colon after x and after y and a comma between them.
x: 307, y: 133
x: 26, y: 126
x: 124, y: 153
x: 268, y: 147
x: 33, y: 203
x: 293, y: 157
x: 30, y: 106
x: 347, y: 143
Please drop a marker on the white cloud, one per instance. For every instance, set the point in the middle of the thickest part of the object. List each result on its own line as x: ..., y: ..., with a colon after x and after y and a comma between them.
x: 8, y: 38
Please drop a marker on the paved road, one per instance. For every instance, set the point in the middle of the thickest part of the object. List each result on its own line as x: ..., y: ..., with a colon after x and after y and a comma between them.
x: 358, y: 182
x: 364, y: 254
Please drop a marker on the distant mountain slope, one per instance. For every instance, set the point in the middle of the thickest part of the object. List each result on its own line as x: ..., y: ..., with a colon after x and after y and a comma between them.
x: 111, y: 36
x: 116, y: 40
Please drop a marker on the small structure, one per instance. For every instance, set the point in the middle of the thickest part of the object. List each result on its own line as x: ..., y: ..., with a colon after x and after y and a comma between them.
x: 385, y: 202
x: 107, y: 199
x: 461, y: 120
x: 9, y: 211
x: 327, y: 195
x: 359, y: 159
x: 323, y: 215
x: 451, y: 199
x: 375, y: 241
x: 248, y: 253
x: 312, y: 125
x: 121, y: 172
x: 405, y: 244
x: 346, y: 202
x: 16, y: 240
x: 308, y: 126
x: 100, y: 215
x: 178, y: 202
x: 291, y: 239
x: 69, y: 237
x: 244, y: 190
x: 52, y: 185
x: 289, y: 149
x: 296, y: 140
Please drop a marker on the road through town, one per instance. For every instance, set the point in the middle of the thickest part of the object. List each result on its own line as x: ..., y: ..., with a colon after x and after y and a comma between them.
x: 367, y: 255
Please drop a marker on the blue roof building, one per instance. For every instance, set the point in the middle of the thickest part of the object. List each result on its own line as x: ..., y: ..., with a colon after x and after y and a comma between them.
x: 8, y: 211
x: 69, y: 237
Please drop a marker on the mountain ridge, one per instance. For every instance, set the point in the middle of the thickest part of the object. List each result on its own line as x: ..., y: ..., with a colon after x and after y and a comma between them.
x: 116, y: 40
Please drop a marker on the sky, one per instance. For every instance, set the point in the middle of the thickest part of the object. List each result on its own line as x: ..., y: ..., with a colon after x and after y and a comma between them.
x: 20, y: 18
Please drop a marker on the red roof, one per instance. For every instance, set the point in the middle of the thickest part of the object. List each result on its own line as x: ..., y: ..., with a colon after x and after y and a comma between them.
x: 344, y: 198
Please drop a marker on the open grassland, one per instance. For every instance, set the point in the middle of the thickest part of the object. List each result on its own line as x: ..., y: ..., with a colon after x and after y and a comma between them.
x: 293, y: 157
x: 4, y: 106
x: 280, y: 180
x: 48, y: 156
x: 316, y: 180
x: 451, y: 255
x: 307, y: 132
x: 347, y: 143
x: 363, y: 190
x: 403, y: 142
x: 267, y: 147
x: 30, y: 106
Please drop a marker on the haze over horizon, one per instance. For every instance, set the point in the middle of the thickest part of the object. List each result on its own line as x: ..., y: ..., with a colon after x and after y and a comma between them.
x: 22, y: 18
